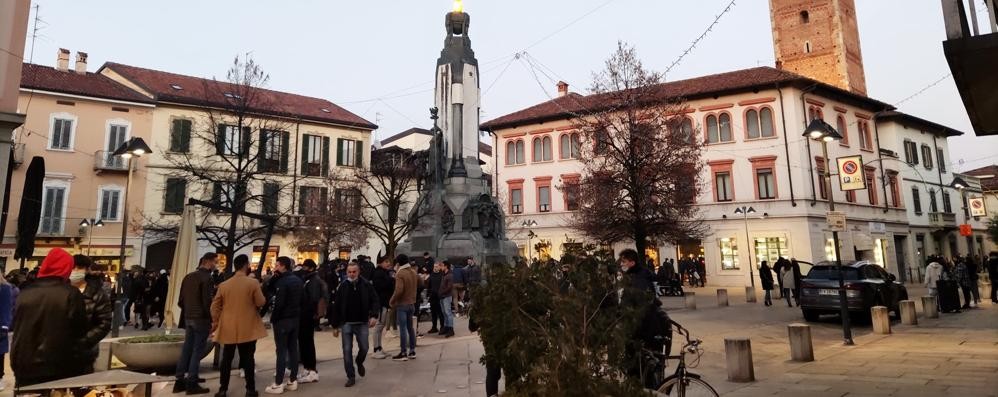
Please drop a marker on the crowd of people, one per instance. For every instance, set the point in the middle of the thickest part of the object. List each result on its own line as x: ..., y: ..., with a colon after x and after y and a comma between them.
x: 964, y: 273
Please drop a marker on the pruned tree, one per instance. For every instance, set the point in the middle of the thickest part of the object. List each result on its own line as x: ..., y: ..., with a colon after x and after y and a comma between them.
x: 642, y: 171
x: 325, y: 224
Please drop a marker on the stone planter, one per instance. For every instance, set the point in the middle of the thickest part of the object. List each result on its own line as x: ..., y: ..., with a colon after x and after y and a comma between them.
x: 152, y: 355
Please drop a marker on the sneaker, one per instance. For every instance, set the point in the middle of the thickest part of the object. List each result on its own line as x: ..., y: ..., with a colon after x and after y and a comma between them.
x: 180, y: 386
x: 380, y: 354
x: 274, y: 389
x: 350, y: 382
x: 433, y: 330
x: 196, y: 389
x: 361, y: 370
x: 412, y: 355
x: 292, y: 385
x: 309, y: 377
x: 400, y: 357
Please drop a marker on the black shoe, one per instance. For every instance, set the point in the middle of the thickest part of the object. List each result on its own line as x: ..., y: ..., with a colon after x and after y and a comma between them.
x: 400, y: 357
x: 433, y: 331
x: 180, y: 386
x: 196, y: 389
x: 412, y: 355
x: 350, y: 383
x: 361, y: 370
x: 450, y: 333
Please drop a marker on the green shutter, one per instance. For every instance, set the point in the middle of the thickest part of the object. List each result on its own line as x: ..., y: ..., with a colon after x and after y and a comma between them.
x: 175, y: 136
x: 185, y: 135
x: 285, y: 140
x: 324, y: 200
x: 359, y: 148
x: 216, y: 194
x: 262, y: 153
x: 339, y: 152
x: 247, y: 140
x: 325, y: 156
x: 304, y: 153
x: 301, y: 199
x: 220, y: 140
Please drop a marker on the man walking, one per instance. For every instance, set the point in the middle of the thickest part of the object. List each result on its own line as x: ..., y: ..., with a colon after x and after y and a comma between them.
x: 285, y: 317
x: 194, y: 300
x: 355, y: 309
x: 993, y: 275
x: 383, y: 280
x: 313, y: 308
x: 236, y: 324
x: 404, y: 301
x: 433, y: 291
x: 97, y: 305
x: 445, y: 291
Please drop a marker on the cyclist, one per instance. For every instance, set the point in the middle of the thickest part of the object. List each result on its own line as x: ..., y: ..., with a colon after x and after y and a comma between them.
x: 654, y: 329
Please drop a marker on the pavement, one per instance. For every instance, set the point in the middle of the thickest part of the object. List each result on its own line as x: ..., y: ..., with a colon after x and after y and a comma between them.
x: 954, y: 355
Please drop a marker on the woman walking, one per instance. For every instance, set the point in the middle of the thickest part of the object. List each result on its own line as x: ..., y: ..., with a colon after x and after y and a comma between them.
x: 766, y: 279
x: 787, y: 275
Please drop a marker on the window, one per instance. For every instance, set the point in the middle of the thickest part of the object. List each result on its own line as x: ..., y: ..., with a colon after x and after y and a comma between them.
x: 544, y: 199
x: 729, y: 253
x: 315, y: 155
x: 851, y: 196
x: 843, y: 130
x: 805, y: 17
x: 61, y: 137
x: 225, y: 195
x: 110, y: 204
x: 916, y: 199
x: 941, y: 159
x: 176, y: 194
x: 116, y: 135
x: 719, y: 128
x: 910, y: 152
x: 947, y: 205
x: 515, y: 152
x: 871, y: 188
x: 927, y: 157
x: 933, y: 207
x: 274, y: 151
x: 765, y: 183
x: 230, y: 142
x: 312, y: 200
x: 571, y: 145
x: 759, y: 123
x: 895, y: 189
x: 820, y: 171
x: 53, y: 210
x: 542, y: 149
x: 516, y: 201
x: 771, y: 249
x: 571, y: 193
x: 348, y: 200
x: 271, y: 193
x: 349, y: 153
x: 686, y: 128
x: 180, y: 136
x: 814, y: 113
x: 722, y: 186
x: 865, y: 138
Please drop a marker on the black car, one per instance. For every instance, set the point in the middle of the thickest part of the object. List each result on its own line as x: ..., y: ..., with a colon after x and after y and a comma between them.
x: 866, y: 283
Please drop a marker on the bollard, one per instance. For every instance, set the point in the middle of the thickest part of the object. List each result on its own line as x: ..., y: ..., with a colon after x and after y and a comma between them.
x: 103, y: 362
x: 881, y: 320
x: 801, y: 348
x: 750, y: 294
x: 691, y: 300
x: 929, y: 307
x: 722, y: 297
x: 907, y: 308
x: 738, y: 355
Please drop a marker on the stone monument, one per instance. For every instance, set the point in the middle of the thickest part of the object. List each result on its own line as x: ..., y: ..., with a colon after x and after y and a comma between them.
x: 458, y: 216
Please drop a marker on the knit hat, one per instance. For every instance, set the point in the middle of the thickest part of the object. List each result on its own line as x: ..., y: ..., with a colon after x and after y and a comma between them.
x: 58, y: 263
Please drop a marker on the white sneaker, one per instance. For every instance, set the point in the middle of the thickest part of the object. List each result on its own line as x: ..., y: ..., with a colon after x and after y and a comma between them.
x: 309, y: 377
x: 242, y: 373
x: 380, y: 355
x: 291, y: 386
x: 274, y: 389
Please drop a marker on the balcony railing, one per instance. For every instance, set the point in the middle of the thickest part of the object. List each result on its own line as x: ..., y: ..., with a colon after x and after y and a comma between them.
x: 52, y: 226
x: 942, y: 219
x: 105, y: 161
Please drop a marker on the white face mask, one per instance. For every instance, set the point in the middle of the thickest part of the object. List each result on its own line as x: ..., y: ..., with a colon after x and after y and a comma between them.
x: 77, y: 275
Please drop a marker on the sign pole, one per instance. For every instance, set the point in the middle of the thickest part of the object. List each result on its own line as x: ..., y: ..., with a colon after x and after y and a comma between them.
x: 843, y: 304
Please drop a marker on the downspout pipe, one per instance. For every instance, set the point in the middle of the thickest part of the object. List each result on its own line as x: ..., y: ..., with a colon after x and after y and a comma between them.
x: 810, y: 168
x: 786, y: 145
x: 880, y: 158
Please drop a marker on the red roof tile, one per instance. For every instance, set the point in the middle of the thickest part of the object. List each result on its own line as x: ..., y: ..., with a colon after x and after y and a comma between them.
x: 208, y: 92
x: 988, y: 176
x: 45, y: 78
x: 699, y: 87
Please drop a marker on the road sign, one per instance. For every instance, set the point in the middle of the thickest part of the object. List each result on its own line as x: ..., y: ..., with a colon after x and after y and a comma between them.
x: 851, y: 175
x: 965, y: 230
x: 836, y: 221
x: 977, y: 207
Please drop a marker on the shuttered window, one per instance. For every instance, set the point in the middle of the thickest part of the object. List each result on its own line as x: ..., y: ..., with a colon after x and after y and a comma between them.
x: 349, y: 153
x: 53, y: 210
x: 110, y: 204
x: 180, y: 136
x: 62, y: 134
x: 176, y: 194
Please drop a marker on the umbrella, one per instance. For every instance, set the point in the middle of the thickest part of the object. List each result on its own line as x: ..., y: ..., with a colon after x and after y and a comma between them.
x: 31, y: 209
x: 184, y: 258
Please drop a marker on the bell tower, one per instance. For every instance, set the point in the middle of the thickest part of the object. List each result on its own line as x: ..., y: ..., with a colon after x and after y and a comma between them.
x: 819, y: 39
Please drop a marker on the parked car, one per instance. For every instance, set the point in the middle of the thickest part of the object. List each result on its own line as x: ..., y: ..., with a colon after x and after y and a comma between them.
x: 866, y: 283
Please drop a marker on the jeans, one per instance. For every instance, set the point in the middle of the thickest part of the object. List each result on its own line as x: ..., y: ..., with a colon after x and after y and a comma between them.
x: 195, y: 339
x: 246, y: 362
x: 786, y: 294
x: 436, y: 312
x: 361, y: 332
x: 492, y: 375
x: 769, y: 298
x: 126, y: 305
x: 407, y: 334
x: 379, y: 329
x: 306, y: 342
x: 445, y: 304
x: 286, y: 342
x: 975, y: 291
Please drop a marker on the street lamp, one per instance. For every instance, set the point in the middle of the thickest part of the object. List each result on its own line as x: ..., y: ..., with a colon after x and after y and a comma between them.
x: 961, y: 185
x: 86, y: 223
x: 133, y: 147
x: 530, y: 235
x: 819, y: 130
x: 744, y: 212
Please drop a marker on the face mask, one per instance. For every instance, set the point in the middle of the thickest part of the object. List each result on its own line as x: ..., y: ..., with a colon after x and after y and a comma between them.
x: 352, y: 279
x: 77, y: 276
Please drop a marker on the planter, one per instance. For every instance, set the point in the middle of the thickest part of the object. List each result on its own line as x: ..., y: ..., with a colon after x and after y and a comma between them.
x: 152, y: 352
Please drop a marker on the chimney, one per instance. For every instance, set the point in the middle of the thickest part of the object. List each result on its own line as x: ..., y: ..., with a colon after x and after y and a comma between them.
x: 62, y: 62
x: 562, y: 89
x: 81, y: 62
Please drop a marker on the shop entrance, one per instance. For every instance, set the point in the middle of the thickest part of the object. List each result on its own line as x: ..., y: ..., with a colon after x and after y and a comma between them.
x: 689, y: 249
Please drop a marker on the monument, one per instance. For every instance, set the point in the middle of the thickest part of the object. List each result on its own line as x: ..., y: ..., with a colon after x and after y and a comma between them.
x: 459, y: 217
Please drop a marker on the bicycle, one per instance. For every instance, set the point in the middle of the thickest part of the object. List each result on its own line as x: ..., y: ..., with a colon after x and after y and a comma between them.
x: 681, y: 383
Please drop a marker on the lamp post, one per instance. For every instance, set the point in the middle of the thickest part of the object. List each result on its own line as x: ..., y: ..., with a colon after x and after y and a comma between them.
x: 530, y: 235
x: 820, y: 130
x: 87, y: 223
x: 961, y: 185
x: 134, y: 147
x: 744, y: 212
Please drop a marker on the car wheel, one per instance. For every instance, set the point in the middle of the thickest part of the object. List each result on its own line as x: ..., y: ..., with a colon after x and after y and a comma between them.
x: 810, y: 315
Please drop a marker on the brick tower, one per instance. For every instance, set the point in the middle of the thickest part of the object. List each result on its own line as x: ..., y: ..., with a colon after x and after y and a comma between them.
x: 819, y: 39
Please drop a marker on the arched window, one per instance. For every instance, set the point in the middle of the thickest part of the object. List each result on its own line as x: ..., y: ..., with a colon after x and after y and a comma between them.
x: 542, y: 149
x: 521, y: 152
x: 570, y: 145
x: 805, y: 17
x: 840, y: 124
x: 814, y: 112
x: 719, y: 128
x: 510, y: 152
x: 759, y: 123
x: 548, y: 146
x: 538, y: 146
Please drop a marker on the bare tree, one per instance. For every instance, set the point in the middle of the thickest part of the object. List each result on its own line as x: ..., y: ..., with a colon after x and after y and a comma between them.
x: 325, y: 224
x: 642, y: 173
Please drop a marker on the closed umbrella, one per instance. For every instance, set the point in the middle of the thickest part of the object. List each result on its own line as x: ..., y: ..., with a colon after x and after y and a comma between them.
x: 184, y: 261
x: 31, y: 210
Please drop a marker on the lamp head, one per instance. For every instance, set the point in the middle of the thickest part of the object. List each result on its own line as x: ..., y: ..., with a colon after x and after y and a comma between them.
x: 99, y: 223
x: 84, y: 222
x: 133, y: 147
x: 819, y: 129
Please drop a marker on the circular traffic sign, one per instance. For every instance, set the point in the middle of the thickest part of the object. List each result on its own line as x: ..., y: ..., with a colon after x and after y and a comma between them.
x: 976, y: 204
x: 850, y: 167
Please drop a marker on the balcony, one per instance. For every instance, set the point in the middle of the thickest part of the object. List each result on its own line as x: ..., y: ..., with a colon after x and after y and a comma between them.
x: 104, y: 161
x: 942, y: 219
x: 18, y: 154
x: 972, y: 52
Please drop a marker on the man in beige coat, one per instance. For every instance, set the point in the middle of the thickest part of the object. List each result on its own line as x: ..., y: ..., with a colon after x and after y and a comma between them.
x: 236, y: 323
x: 404, y: 302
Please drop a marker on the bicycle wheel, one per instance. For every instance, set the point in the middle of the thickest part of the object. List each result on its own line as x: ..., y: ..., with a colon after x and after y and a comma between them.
x: 686, y: 387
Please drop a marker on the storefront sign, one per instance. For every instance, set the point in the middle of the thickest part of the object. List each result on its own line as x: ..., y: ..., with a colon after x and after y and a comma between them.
x: 836, y: 221
x: 851, y: 176
x: 976, y: 207
x: 7, y: 252
x: 878, y: 228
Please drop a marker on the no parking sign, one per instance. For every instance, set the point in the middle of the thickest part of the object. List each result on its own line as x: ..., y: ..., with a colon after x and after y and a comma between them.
x: 851, y: 175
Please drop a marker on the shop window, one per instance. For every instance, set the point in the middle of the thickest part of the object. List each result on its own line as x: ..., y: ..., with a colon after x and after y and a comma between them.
x: 770, y: 249
x: 729, y: 253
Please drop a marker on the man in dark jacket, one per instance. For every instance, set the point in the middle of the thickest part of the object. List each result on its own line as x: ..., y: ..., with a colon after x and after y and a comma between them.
x: 445, y: 292
x: 196, y: 293
x: 140, y: 295
x: 285, y: 316
x: 97, y: 304
x: 313, y: 308
x: 639, y: 295
x: 384, y: 285
x: 160, y: 288
x: 127, y: 302
x: 50, y: 325
x: 356, y: 309
x: 993, y: 275
x: 366, y: 267
x: 433, y: 289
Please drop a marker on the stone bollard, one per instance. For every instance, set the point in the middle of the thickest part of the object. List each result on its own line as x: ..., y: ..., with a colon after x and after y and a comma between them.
x: 722, y: 297
x: 750, y: 294
x: 801, y: 348
x: 929, y: 307
x: 103, y: 362
x: 907, y: 308
x: 738, y: 355
x: 691, y: 300
x: 881, y: 320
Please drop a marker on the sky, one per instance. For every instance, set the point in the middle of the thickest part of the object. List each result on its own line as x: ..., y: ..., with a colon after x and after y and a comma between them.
x: 378, y: 58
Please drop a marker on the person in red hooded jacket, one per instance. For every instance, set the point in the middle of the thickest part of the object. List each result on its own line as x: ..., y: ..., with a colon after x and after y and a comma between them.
x: 50, y: 325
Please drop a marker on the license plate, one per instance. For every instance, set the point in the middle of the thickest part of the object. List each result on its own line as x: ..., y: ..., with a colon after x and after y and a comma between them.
x: 833, y: 292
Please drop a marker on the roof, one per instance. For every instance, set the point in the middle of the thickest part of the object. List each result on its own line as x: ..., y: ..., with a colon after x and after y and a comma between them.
x: 46, y: 78
x: 916, y: 122
x: 403, y: 134
x: 699, y: 87
x: 485, y: 148
x: 196, y: 91
x: 988, y: 176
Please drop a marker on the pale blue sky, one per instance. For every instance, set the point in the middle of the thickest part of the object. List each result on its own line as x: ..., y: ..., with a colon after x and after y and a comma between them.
x: 377, y: 58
